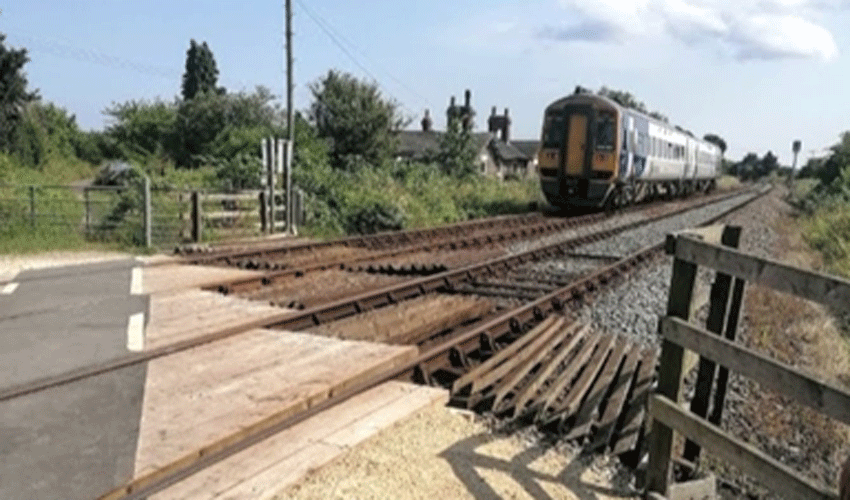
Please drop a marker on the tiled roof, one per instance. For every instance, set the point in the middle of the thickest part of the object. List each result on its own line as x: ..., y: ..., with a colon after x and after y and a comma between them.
x: 507, y: 151
x: 528, y: 147
x: 418, y: 144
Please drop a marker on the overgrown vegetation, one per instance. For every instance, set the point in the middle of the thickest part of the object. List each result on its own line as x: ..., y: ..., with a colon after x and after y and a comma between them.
x: 825, y: 203
x: 209, y: 139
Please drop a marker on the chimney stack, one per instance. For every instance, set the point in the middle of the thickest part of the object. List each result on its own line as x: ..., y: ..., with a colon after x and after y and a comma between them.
x: 468, y: 98
x: 426, y: 122
x: 506, y: 127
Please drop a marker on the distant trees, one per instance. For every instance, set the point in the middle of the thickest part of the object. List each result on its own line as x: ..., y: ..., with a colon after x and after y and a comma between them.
x: 201, y: 74
x: 14, y: 95
x: 626, y: 99
x: 751, y: 167
x: 717, y: 140
x: 358, y: 122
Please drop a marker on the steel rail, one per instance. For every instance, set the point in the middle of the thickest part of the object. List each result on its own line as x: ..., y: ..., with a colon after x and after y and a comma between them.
x: 334, y: 310
x: 208, y: 455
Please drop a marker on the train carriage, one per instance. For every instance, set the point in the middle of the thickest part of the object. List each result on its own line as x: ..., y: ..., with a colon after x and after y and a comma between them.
x: 596, y: 153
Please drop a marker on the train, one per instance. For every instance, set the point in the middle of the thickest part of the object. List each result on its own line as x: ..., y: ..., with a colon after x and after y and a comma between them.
x: 596, y: 153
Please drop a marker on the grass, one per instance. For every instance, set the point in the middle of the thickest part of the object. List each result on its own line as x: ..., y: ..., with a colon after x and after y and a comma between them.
x: 828, y: 232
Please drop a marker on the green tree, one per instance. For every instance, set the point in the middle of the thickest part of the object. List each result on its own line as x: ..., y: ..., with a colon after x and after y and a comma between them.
x: 768, y: 164
x: 14, y: 95
x: 717, y: 140
x: 626, y: 99
x: 838, y: 160
x: 358, y: 122
x: 201, y: 73
x: 457, y: 153
x: 141, y: 129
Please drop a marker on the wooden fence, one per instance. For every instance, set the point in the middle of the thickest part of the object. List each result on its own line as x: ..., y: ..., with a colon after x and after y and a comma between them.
x: 715, y: 344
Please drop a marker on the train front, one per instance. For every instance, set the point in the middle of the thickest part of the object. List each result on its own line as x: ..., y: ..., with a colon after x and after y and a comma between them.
x: 578, y: 157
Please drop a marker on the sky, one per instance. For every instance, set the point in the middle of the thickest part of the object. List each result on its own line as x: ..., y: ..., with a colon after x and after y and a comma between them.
x: 759, y: 73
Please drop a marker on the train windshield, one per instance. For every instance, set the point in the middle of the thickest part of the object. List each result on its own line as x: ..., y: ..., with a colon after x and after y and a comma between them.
x: 605, y: 132
x: 554, y: 130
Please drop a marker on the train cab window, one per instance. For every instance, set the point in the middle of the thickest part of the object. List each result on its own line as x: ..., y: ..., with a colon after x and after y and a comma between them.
x: 554, y: 130
x: 606, y: 134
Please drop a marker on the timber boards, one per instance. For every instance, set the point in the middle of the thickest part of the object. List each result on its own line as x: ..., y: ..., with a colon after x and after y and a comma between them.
x: 198, y: 396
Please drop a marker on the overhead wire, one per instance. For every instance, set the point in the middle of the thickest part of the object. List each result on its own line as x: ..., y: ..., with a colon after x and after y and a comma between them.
x: 340, y: 41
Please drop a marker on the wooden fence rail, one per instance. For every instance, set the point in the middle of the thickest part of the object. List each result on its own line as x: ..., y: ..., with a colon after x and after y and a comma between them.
x: 716, y: 346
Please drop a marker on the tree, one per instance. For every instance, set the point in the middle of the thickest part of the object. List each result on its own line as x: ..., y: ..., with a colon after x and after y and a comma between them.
x: 623, y: 98
x: 143, y: 128
x: 14, y: 95
x: 626, y: 99
x: 358, y: 122
x: 457, y: 153
x: 201, y: 72
x: 717, y: 140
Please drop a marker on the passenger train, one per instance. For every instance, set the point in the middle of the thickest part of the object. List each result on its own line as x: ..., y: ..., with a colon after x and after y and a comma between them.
x: 597, y: 153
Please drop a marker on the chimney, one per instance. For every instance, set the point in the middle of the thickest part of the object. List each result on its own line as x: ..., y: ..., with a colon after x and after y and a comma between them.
x: 467, y: 113
x: 426, y: 122
x: 451, y: 113
x: 506, y: 127
x: 493, y: 123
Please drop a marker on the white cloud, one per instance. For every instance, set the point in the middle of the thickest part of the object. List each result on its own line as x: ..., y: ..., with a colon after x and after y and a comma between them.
x: 771, y: 36
x: 749, y: 29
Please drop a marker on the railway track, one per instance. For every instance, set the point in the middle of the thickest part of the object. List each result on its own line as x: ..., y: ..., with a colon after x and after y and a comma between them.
x: 459, y: 351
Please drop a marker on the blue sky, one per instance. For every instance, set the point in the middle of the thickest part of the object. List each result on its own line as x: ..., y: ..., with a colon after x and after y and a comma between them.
x: 759, y: 73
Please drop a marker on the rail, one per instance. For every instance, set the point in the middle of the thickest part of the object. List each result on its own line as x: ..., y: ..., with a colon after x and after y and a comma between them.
x: 715, y: 345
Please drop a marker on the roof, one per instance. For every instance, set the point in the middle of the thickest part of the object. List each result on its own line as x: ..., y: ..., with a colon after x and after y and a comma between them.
x: 528, y: 147
x: 507, y: 151
x: 419, y: 144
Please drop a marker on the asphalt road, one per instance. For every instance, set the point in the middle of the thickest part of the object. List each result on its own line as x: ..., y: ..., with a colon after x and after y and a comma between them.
x: 79, y: 440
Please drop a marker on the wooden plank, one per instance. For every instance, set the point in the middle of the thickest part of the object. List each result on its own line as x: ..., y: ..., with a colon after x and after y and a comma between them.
x: 808, y: 389
x: 829, y: 290
x: 307, y: 397
x: 520, y: 372
x: 603, y: 429
x: 749, y: 459
x: 489, y: 377
x: 670, y: 378
x: 520, y: 400
x: 499, y: 357
x: 633, y: 418
x: 551, y: 393
x: 252, y: 195
x: 588, y: 413
x: 578, y: 392
x: 730, y: 237
x: 285, y: 458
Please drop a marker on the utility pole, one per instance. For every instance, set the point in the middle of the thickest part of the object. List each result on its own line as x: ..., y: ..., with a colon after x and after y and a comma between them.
x: 290, y: 125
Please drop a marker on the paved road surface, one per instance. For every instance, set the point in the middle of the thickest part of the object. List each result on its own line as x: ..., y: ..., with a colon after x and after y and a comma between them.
x: 75, y: 441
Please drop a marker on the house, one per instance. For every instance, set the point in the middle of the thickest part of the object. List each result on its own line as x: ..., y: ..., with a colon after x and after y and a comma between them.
x: 495, y: 154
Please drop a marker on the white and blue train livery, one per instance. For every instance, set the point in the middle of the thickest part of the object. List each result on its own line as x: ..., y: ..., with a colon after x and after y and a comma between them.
x: 596, y: 153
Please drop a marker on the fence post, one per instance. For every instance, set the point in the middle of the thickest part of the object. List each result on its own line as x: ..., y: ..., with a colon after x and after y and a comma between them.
x: 263, y: 221
x: 718, y: 307
x: 146, y: 197
x: 196, y: 217
x: 32, y: 206
x: 670, y: 376
x: 87, y: 198
x: 290, y: 205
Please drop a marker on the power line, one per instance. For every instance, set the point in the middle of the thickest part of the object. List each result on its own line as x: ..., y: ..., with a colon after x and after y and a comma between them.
x: 61, y: 49
x: 338, y: 39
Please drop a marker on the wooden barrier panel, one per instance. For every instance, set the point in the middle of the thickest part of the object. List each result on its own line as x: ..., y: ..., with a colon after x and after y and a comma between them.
x: 738, y: 453
x: 828, y: 290
x: 690, y: 248
x: 809, y: 390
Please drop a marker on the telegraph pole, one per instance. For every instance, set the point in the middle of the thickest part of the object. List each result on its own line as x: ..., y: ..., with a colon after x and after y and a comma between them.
x: 290, y: 126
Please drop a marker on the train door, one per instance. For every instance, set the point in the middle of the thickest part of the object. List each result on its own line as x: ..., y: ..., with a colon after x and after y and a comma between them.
x: 576, y: 144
